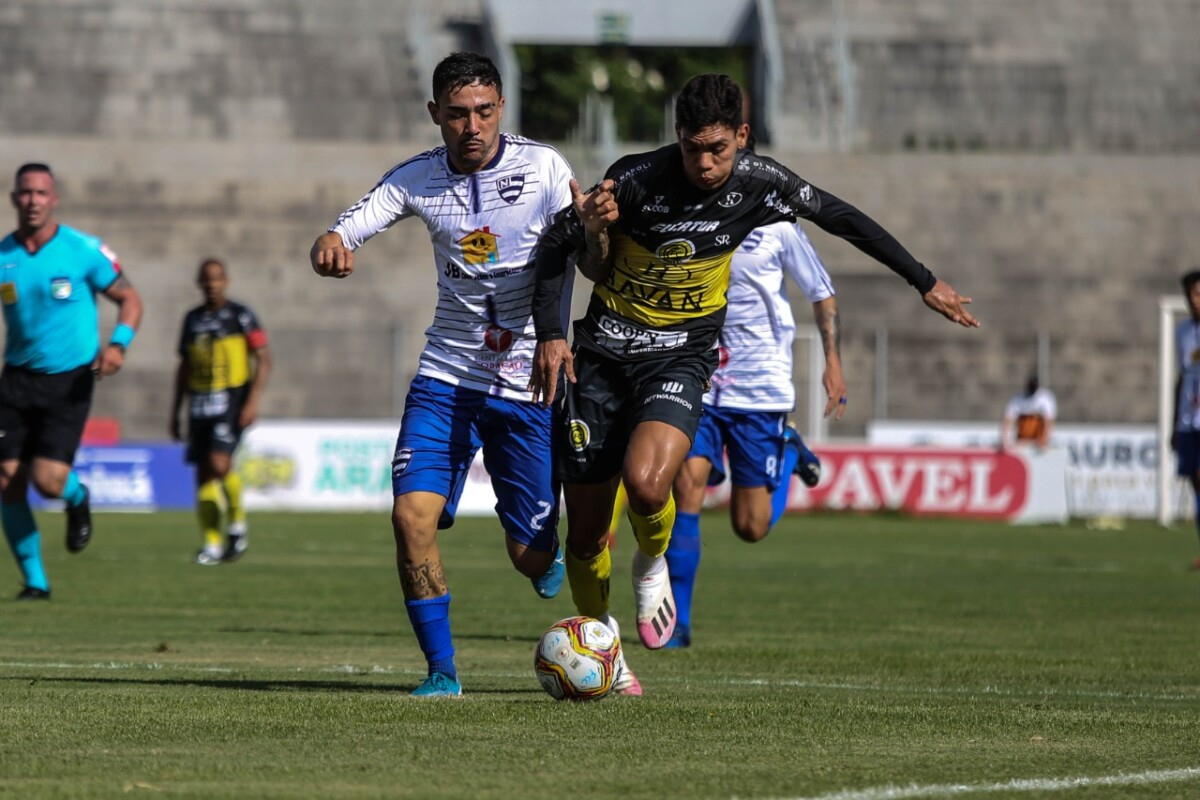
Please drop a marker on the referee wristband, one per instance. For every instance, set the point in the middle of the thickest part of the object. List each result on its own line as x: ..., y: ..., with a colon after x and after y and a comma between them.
x: 122, y: 335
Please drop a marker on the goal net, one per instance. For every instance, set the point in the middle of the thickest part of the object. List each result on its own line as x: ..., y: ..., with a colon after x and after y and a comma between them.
x: 1174, y: 498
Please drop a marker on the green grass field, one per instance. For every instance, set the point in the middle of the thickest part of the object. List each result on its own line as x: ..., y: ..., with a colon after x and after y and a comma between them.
x: 847, y: 657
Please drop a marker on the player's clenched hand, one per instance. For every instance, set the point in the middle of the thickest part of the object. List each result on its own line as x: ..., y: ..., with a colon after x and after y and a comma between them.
x: 330, y: 257
x: 943, y: 299
x: 597, y: 209
x: 548, y: 359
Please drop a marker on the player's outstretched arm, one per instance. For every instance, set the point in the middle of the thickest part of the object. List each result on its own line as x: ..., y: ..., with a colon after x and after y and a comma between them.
x: 825, y: 316
x: 950, y: 304
x: 550, y: 357
x: 331, y: 258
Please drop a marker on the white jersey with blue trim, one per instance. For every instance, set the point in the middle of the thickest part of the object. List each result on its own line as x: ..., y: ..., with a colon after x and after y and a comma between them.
x: 755, y: 371
x: 1187, y: 349
x: 484, y: 227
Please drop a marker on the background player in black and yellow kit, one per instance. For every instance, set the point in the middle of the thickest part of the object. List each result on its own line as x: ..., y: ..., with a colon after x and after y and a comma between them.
x: 223, y: 369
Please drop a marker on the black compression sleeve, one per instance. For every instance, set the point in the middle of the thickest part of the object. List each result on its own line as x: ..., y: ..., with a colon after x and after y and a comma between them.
x: 551, y: 262
x: 843, y: 220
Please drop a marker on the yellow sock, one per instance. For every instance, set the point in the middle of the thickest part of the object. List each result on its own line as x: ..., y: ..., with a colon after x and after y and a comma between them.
x: 619, y: 504
x: 589, y: 583
x: 653, y: 533
x: 208, y: 511
x: 233, y: 497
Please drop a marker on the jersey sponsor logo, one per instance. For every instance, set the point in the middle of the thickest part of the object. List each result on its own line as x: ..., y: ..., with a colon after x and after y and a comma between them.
x: 688, y: 226
x: 672, y: 396
x: 497, y: 339
x: 657, y: 206
x: 773, y: 200
x: 60, y: 288
x: 676, y: 251
x: 8, y: 293
x: 622, y: 336
x: 730, y: 200
x: 480, y: 246
x: 509, y: 187
x: 579, y: 435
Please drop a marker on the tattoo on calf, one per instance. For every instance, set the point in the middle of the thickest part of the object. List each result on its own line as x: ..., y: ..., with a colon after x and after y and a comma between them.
x: 422, y: 581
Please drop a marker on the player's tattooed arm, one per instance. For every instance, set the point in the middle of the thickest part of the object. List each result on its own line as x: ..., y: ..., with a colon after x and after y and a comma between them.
x: 422, y: 581
x: 129, y: 316
x: 825, y: 315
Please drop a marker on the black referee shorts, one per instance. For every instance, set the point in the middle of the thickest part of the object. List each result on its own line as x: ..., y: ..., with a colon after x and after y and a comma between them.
x: 42, y: 414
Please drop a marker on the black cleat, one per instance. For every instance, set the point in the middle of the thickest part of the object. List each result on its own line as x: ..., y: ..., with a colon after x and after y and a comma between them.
x: 79, y: 524
x: 31, y: 593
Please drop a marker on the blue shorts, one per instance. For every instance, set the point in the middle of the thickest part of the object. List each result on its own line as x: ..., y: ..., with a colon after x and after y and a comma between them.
x: 752, y: 439
x: 1187, y: 452
x: 442, y: 429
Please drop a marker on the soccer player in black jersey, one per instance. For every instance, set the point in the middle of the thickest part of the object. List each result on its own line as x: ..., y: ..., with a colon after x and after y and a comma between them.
x: 657, y: 235
x: 223, y: 367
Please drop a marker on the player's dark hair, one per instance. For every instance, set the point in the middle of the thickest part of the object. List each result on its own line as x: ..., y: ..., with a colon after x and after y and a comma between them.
x: 463, y: 69
x: 1190, y: 279
x: 32, y: 166
x: 708, y: 99
x: 1032, y: 384
x: 204, y: 262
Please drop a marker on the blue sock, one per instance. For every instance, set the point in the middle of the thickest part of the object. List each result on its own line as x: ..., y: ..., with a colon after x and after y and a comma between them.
x: 779, y: 497
x: 683, y: 562
x: 25, y: 541
x: 74, y: 491
x: 431, y: 623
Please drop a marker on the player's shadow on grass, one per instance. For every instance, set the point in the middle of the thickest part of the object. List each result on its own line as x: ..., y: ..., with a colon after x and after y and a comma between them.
x: 249, y: 685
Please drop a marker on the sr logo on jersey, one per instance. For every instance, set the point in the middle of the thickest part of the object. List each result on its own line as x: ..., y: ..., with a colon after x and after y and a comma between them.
x: 676, y: 251
x: 579, y: 435
x: 480, y: 246
x: 510, y: 187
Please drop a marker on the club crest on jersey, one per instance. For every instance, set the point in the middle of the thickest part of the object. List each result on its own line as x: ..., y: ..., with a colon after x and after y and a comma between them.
x: 497, y: 339
x: 60, y: 288
x: 8, y: 293
x: 509, y: 187
x: 676, y: 251
x: 579, y: 435
x: 480, y: 246
x: 730, y: 200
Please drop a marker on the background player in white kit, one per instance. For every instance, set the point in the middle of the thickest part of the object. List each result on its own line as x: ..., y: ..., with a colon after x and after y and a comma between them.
x: 485, y: 197
x: 745, y: 411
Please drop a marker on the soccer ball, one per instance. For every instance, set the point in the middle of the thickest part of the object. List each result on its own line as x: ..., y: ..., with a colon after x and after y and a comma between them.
x: 578, y: 658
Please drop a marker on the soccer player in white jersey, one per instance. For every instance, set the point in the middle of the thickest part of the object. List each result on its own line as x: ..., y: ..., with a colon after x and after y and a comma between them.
x: 485, y: 197
x: 1186, y: 439
x: 746, y: 408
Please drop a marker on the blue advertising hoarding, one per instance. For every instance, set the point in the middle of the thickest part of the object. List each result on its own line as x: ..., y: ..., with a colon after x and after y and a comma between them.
x: 132, y: 477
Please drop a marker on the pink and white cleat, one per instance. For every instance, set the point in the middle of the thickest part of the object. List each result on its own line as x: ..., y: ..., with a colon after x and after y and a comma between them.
x: 627, y: 684
x: 655, y: 602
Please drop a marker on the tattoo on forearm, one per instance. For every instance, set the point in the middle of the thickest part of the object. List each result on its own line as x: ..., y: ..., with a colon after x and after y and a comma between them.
x: 422, y: 581
x: 831, y: 333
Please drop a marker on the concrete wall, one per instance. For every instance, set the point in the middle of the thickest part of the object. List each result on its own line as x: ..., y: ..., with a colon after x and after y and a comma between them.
x: 241, y: 129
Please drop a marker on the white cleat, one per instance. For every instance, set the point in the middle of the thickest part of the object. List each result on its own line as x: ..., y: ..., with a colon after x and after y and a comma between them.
x: 626, y: 684
x: 655, y: 601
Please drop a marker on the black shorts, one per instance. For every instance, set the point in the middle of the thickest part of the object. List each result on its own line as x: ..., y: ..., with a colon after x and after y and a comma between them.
x: 42, y: 414
x: 611, y: 397
x: 215, y: 429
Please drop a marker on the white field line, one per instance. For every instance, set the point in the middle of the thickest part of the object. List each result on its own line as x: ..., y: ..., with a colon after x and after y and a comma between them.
x: 1015, y: 785
x: 351, y: 669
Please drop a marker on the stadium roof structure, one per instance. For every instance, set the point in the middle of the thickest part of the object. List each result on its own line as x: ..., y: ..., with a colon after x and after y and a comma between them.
x: 644, y: 23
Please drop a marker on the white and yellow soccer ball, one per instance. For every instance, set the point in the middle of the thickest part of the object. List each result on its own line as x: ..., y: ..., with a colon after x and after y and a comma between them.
x: 578, y: 658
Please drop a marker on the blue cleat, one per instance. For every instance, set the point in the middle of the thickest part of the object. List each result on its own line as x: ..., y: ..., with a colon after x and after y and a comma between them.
x: 682, y: 638
x: 439, y: 684
x: 808, y: 466
x: 548, y: 584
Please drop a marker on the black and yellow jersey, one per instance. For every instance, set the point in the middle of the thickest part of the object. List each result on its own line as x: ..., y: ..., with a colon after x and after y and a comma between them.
x: 673, y: 244
x: 216, y: 347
